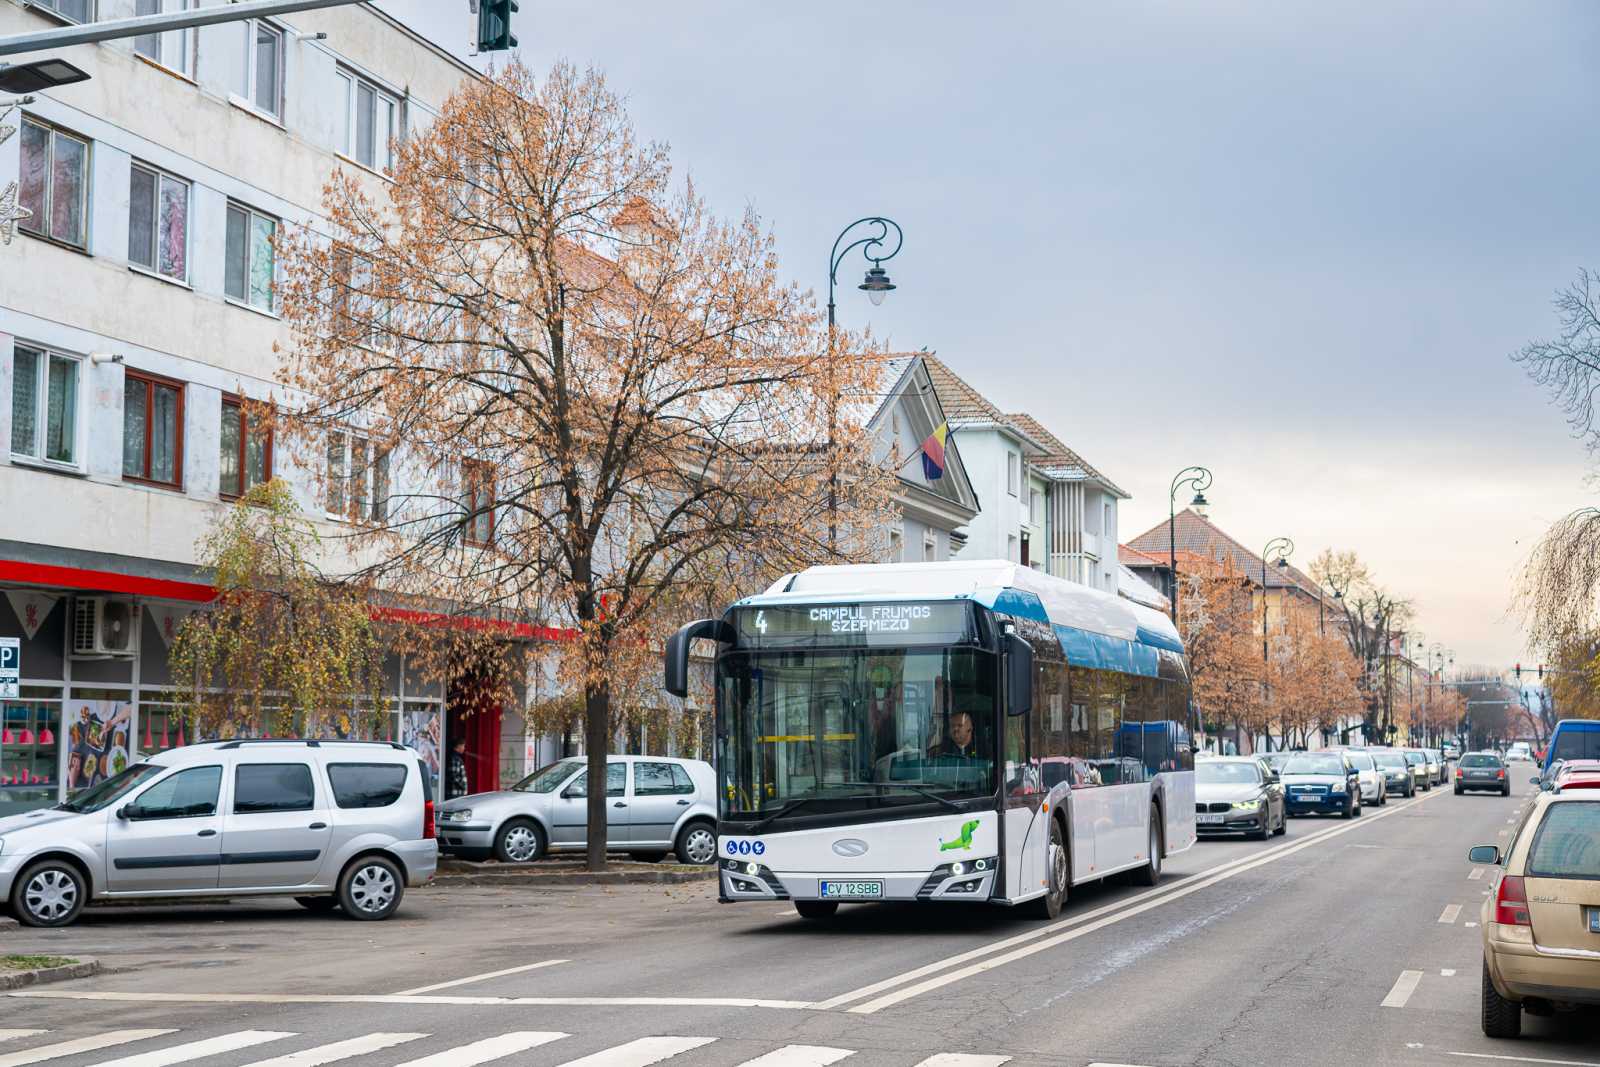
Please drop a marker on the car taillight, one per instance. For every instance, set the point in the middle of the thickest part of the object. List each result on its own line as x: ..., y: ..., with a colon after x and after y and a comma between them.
x: 1511, y: 902
x: 1459, y: 774
x: 1501, y: 773
x: 427, y: 820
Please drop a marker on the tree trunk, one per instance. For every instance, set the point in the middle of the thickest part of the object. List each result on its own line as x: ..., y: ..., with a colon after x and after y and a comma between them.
x: 596, y: 733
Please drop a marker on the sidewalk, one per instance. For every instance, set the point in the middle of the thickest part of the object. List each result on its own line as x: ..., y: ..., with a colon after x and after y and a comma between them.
x: 554, y: 872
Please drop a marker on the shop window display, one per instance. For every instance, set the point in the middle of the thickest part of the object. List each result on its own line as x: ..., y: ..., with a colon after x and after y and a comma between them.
x: 30, y: 750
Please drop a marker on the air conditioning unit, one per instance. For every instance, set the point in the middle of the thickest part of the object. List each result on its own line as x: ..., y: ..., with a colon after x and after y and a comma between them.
x: 104, y: 626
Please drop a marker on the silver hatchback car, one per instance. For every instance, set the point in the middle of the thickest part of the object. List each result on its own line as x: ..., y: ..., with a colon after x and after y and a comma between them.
x: 656, y: 805
x: 334, y: 824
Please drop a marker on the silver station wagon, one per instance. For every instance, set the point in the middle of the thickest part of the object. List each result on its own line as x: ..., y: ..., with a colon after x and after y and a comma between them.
x: 334, y: 824
x: 654, y: 805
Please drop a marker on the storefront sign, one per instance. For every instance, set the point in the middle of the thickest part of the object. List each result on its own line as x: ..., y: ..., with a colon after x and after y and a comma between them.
x: 10, y: 668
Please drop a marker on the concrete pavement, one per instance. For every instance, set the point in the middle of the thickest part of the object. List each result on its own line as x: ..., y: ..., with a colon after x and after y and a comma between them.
x: 1283, y: 952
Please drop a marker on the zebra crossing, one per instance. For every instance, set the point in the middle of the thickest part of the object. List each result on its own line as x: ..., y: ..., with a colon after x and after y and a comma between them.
x: 159, y: 1048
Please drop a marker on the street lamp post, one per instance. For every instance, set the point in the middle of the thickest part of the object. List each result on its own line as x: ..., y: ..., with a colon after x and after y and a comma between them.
x: 1284, y: 549
x: 877, y: 286
x: 1200, y: 479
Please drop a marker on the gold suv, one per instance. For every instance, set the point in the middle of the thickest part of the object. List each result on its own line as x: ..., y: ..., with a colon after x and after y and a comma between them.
x: 1541, y: 924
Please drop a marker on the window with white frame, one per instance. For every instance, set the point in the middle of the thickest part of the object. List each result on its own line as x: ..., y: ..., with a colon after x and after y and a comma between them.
x: 44, y: 405
x: 1105, y: 517
x: 55, y: 183
x: 1012, y: 548
x: 373, y: 121
x: 358, y: 478
x: 1035, y: 506
x: 897, y: 549
x: 250, y: 266
x: 930, y: 547
x: 158, y: 222
x: 1013, y: 472
x: 71, y: 10
x: 173, y: 49
x: 262, y: 82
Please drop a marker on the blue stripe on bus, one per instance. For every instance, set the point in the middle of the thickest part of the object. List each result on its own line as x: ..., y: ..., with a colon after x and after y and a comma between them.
x: 1085, y: 648
x: 1159, y: 640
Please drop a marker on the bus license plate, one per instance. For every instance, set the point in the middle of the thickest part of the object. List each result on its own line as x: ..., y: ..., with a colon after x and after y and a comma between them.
x: 1594, y: 920
x: 1209, y: 820
x: 850, y: 890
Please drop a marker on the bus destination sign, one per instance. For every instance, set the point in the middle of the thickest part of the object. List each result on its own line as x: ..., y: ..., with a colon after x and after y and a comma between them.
x: 947, y: 620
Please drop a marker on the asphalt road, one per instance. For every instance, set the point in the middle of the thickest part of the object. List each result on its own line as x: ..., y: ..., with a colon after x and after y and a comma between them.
x: 1345, y: 942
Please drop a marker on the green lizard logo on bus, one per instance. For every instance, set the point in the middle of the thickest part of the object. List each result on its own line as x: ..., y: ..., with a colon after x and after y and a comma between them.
x: 963, y: 839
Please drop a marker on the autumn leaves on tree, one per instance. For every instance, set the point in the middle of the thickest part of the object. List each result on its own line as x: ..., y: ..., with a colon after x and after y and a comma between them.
x: 597, y: 403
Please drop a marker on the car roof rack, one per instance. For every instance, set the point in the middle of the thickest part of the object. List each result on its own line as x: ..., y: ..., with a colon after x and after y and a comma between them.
x: 309, y: 742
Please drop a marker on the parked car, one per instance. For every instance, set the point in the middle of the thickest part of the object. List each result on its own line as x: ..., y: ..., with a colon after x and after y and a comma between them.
x: 1452, y: 751
x: 1519, y: 750
x: 1438, y: 774
x: 658, y: 805
x: 334, y: 824
x: 1373, y: 789
x: 1541, y: 924
x: 1419, y: 768
x: 1574, y: 774
x: 1573, y: 739
x: 1482, y: 772
x: 1322, y: 783
x: 1398, y: 777
x: 1238, y: 795
x: 1276, y: 760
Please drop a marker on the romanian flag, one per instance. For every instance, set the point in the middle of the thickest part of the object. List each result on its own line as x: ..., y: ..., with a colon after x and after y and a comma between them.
x: 933, y: 453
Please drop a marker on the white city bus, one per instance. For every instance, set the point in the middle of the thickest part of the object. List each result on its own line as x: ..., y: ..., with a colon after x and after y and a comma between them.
x: 969, y: 731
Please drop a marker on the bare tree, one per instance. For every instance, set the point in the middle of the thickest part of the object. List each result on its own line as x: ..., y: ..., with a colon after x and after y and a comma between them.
x: 1373, y: 617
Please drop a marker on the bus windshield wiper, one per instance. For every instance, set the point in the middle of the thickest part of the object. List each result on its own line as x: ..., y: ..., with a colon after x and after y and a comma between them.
x: 946, y: 801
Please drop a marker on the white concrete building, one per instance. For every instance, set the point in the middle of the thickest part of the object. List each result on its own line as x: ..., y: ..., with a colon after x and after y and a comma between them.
x: 137, y: 310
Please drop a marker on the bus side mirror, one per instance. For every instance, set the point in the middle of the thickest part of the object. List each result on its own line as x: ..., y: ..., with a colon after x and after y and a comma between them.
x: 676, y: 666
x: 1019, y: 676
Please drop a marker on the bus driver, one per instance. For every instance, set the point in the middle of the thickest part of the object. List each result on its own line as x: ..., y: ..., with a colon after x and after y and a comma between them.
x: 959, y: 743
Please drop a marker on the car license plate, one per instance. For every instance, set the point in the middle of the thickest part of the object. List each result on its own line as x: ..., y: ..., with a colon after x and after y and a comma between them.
x: 849, y: 890
x: 1209, y: 820
x: 1594, y: 920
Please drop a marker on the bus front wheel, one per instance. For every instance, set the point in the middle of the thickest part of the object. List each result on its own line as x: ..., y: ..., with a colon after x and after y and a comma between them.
x: 1055, y: 861
x: 816, y: 909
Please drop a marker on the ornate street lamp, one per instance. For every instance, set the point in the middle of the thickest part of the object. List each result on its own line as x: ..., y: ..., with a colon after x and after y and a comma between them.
x: 1284, y: 548
x: 876, y: 284
x: 1200, y: 479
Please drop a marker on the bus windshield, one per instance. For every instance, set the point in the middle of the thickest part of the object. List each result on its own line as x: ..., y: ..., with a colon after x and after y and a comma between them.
x: 815, y: 731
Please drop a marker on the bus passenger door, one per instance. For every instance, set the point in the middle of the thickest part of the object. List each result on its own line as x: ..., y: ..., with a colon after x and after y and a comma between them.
x: 1025, y: 832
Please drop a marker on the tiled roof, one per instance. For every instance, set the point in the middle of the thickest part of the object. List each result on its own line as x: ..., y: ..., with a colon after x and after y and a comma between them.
x: 1058, y: 457
x: 1196, y: 534
x: 961, y: 402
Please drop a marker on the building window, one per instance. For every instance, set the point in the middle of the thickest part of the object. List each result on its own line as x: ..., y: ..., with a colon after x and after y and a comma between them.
x: 158, y: 222
x: 71, y: 10
x: 173, y: 49
x: 477, y: 499
x: 373, y: 121
x: 246, y: 452
x: 358, y: 478
x: 363, y: 313
x: 1013, y: 470
x: 897, y: 547
x: 930, y: 547
x: 1035, y: 506
x: 262, y: 87
x: 1106, y: 523
x: 152, y: 430
x: 44, y: 405
x: 251, y: 266
x: 55, y: 183
x: 1012, y: 548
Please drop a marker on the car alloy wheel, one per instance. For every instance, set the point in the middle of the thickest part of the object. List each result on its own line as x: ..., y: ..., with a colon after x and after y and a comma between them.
x: 372, y: 889
x: 521, y: 843
x: 50, y: 895
x: 700, y: 844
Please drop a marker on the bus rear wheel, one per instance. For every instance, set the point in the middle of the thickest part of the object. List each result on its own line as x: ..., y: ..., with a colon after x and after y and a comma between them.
x: 816, y: 909
x: 1055, y: 862
x: 1150, y: 873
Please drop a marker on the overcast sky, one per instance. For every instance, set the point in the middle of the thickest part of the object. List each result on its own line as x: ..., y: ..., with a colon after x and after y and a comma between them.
x: 1291, y: 241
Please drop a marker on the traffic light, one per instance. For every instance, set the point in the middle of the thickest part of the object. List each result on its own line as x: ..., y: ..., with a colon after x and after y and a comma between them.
x: 1541, y: 672
x: 1519, y: 672
x: 494, y: 25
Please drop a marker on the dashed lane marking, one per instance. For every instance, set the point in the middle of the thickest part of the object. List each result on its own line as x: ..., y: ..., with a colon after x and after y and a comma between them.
x: 1475, y: 874
x: 1522, y: 1059
x: 1447, y: 972
x: 7, y: 1035
x: 78, y: 1045
x: 1404, y: 986
x: 1449, y: 914
x: 964, y: 1059
x: 478, y: 978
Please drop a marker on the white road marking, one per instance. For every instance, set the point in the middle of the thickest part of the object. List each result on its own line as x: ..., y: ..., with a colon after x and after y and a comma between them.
x: 490, y: 1048
x: 338, y: 1050
x: 78, y: 1045
x: 800, y: 1056
x: 1128, y: 909
x: 1475, y: 874
x: 1449, y: 914
x: 383, y: 998
x: 641, y: 1053
x: 1447, y: 972
x: 7, y: 1035
x: 196, y: 1050
x: 1469, y: 924
x: 478, y: 978
x: 1404, y: 986
x: 962, y: 1059
x: 1499, y: 833
x: 1522, y: 1059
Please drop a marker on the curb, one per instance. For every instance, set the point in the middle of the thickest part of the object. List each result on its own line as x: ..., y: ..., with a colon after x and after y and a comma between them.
x: 8, y: 923
x: 21, y: 979
x: 525, y: 876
